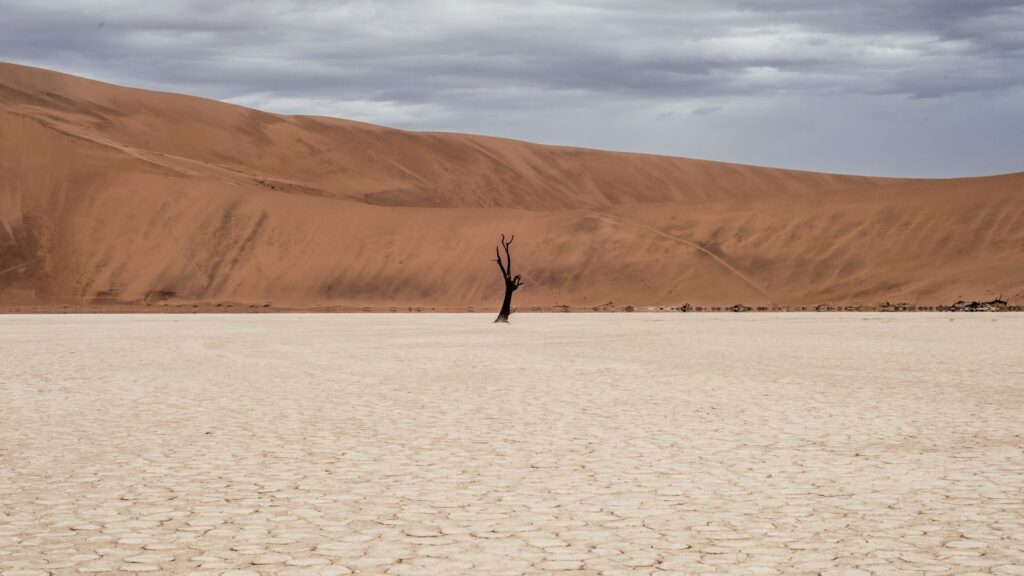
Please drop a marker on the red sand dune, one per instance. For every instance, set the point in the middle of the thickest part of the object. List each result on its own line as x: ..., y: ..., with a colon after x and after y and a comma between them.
x: 112, y: 195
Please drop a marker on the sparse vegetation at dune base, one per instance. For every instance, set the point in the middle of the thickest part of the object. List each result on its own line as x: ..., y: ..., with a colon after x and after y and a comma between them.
x: 171, y: 307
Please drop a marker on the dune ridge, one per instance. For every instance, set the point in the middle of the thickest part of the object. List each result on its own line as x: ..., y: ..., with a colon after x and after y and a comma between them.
x: 120, y: 196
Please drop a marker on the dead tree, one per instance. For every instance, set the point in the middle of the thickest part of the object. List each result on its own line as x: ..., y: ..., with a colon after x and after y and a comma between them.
x: 512, y: 283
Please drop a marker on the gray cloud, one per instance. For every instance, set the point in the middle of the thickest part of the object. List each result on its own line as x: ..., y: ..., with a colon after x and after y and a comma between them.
x: 903, y: 87
x: 705, y: 110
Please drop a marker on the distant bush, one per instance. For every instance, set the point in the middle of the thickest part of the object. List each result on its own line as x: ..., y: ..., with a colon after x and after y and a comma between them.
x: 628, y: 308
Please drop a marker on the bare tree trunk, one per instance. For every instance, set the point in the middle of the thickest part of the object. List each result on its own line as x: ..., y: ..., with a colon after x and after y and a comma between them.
x: 512, y: 283
x: 506, y: 305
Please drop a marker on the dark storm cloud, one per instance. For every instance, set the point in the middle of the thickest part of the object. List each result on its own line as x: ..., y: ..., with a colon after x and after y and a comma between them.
x: 620, y: 74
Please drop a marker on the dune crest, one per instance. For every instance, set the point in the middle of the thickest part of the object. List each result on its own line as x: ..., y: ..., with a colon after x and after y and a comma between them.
x: 113, y: 195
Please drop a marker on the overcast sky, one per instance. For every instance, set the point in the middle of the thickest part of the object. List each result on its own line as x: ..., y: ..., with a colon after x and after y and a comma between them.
x: 885, y: 87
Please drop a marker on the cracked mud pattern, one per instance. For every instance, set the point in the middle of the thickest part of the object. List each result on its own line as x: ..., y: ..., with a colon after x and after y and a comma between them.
x: 596, y: 444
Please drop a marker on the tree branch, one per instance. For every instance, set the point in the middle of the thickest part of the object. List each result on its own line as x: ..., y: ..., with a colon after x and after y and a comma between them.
x: 508, y: 256
x: 497, y: 254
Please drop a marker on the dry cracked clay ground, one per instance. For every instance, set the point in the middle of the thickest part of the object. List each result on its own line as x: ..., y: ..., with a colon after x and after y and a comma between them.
x: 442, y: 444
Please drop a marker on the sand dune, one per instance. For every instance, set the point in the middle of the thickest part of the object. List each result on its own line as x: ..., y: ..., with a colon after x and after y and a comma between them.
x: 119, y: 196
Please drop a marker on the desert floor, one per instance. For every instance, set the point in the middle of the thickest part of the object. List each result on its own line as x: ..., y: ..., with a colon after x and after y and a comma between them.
x: 442, y: 444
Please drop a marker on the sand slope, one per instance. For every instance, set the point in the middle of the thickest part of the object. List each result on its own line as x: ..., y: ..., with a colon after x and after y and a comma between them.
x: 118, y: 195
